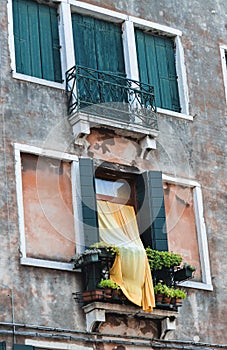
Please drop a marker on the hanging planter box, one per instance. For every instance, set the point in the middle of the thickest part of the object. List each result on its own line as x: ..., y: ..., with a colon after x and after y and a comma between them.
x: 183, y: 274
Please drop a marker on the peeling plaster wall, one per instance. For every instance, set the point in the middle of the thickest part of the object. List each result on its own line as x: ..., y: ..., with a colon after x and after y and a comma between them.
x: 36, y: 115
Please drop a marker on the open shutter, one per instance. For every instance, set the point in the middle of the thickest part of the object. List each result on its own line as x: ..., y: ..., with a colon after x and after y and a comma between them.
x: 156, y: 60
x: 89, y: 205
x: 3, y: 345
x: 55, y: 45
x: 151, y: 211
x: 23, y: 347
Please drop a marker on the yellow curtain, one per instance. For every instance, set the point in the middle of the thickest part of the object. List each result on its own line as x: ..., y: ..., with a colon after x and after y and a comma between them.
x: 131, y: 270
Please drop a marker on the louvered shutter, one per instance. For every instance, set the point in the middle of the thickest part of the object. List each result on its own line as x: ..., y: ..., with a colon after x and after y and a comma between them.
x: 89, y: 205
x: 156, y: 61
x: 36, y: 38
x: 3, y: 345
x: 151, y: 211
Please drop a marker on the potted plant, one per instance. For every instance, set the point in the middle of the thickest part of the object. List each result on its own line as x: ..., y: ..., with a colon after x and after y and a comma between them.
x: 162, y: 264
x: 96, y: 252
x: 168, y: 294
x: 108, y: 283
x: 113, y: 289
x: 158, y: 291
x: 178, y: 296
x: 161, y: 259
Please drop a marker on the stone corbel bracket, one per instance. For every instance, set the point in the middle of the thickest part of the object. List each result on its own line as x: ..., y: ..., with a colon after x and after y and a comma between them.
x: 96, y: 314
x: 82, y: 123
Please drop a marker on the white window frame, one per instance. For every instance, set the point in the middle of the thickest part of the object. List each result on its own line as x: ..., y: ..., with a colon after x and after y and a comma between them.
x: 129, y: 46
x: 53, y: 345
x: 223, y: 52
x: 78, y: 221
x: 206, y: 283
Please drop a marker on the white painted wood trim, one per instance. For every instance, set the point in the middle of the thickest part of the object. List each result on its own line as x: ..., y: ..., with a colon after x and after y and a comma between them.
x: 180, y: 180
x: 77, y: 208
x: 170, y: 113
x: 49, y: 264
x: 130, y: 55
x: 43, y: 82
x: 223, y: 50
x: 152, y: 25
x: 206, y: 283
x: 182, y: 77
x: 104, y: 13
x: 11, y: 36
x: 56, y: 345
x: 45, y: 152
x: 202, y: 236
x: 20, y: 205
x: 66, y: 37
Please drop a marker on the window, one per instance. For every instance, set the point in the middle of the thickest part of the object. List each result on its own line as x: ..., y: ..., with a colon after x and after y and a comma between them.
x: 52, y: 227
x: 186, y: 228
x: 36, y: 39
x: 148, y: 201
x: 156, y: 60
x: 223, y: 50
x: 45, y: 206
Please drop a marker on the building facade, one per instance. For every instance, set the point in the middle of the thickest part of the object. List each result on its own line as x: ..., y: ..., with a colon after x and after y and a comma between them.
x: 119, y: 105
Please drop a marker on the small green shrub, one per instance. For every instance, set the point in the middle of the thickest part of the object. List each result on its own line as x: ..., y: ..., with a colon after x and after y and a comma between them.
x: 108, y: 284
x: 158, y: 260
x: 179, y: 293
x: 158, y: 289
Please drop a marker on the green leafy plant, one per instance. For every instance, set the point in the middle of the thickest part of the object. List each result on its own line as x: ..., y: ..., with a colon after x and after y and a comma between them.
x: 189, y: 267
x: 168, y: 291
x: 179, y: 293
x: 109, y: 247
x: 158, y: 289
x: 158, y: 260
x: 108, y: 283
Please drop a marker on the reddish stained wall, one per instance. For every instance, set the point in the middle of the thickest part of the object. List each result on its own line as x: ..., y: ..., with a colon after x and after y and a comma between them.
x: 181, y: 228
x: 48, y: 214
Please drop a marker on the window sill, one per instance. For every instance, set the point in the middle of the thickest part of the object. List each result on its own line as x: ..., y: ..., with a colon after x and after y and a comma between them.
x: 47, y: 264
x: 197, y: 285
x: 169, y: 113
x: 34, y: 80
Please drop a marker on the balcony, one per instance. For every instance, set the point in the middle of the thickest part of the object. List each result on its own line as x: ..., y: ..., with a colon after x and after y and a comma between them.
x: 97, y: 99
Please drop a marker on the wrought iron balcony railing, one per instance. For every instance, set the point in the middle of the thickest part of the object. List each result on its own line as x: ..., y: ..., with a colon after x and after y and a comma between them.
x: 110, y: 96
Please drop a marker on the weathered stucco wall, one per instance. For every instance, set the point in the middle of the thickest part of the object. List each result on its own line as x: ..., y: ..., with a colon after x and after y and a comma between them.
x: 36, y: 115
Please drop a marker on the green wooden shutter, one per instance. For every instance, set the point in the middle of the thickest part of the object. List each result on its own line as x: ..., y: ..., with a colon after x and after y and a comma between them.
x: 156, y: 60
x: 148, y: 63
x: 89, y: 205
x: 84, y: 40
x: 23, y: 347
x: 21, y: 37
x: 3, y: 345
x: 151, y: 211
x: 98, y: 45
x: 36, y: 39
